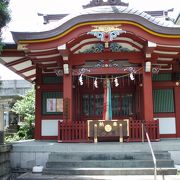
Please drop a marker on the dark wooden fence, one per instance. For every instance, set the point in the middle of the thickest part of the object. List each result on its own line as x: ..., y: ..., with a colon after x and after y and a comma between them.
x: 76, y: 131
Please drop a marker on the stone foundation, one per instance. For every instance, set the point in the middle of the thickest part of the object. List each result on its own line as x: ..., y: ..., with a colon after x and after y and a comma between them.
x: 5, y: 167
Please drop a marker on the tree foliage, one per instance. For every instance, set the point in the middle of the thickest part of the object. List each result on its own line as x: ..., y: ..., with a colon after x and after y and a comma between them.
x: 26, y: 106
x: 4, y: 13
x: 4, y: 17
x: 26, y: 109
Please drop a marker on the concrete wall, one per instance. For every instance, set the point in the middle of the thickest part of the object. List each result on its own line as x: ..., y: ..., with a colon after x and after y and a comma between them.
x: 27, y: 160
x: 175, y: 155
x: 27, y: 154
x: 5, y: 168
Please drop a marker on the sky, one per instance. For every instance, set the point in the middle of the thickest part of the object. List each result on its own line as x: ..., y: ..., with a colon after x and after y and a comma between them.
x: 24, y: 16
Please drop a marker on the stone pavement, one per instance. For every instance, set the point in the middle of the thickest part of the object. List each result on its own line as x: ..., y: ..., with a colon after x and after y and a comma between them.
x: 31, y: 176
x: 53, y: 146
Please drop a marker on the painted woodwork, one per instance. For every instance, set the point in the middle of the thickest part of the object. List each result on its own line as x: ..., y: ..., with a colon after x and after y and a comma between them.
x: 46, y: 57
x: 177, y: 111
x: 147, y: 95
x: 79, y: 131
x: 67, y: 97
x: 38, y: 103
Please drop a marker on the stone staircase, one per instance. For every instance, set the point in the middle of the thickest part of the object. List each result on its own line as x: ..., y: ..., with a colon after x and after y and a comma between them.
x: 108, y: 164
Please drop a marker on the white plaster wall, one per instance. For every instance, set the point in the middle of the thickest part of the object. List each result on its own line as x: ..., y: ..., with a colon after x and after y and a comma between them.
x: 49, y: 127
x: 167, y: 125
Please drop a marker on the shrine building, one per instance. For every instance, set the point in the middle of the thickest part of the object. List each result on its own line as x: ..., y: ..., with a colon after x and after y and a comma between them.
x: 108, y: 72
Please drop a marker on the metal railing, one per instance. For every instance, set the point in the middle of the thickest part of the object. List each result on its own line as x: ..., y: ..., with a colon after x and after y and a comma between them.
x: 150, y: 146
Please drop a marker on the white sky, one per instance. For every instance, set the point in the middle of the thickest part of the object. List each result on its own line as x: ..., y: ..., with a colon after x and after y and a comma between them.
x: 24, y: 15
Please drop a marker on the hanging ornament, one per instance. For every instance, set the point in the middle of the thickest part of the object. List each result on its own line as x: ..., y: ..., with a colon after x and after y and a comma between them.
x: 81, y: 80
x: 116, y: 82
x: 131, y: 76
x: 95, y: 83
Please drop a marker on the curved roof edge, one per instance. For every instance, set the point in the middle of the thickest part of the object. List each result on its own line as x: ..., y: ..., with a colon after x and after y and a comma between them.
x: 101, y: 14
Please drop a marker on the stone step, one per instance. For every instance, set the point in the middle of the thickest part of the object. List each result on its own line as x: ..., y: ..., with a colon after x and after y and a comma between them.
x: 109, y: 171
x: 33, y: 176
x: 57, y: 157
x: 110, y: 163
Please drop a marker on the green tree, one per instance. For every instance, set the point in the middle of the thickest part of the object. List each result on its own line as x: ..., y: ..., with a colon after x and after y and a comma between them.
x: 4, y: 17
x: 4, y: 13
x: 26, y: 109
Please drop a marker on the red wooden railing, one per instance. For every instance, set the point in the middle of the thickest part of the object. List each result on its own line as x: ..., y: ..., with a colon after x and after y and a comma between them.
x: 76, y: 131
x: 137, y: 130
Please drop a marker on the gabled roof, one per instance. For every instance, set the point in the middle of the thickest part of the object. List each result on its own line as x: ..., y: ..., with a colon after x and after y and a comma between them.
x: 44, y: 48
x: 102, y: 13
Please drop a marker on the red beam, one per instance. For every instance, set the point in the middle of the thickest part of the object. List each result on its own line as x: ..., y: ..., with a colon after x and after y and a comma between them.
x: 134, y: 37
x: 31, y: 76
x: 133, y: 57
x: 26, y: 69
x: 132, y: 44
x: 104, y: 71
x: 55, y: 65
x: 162, y: 48
x: 24, y: 59
x: 80, y: 46
x: 165, y: 62
x: 148, y: 36
x: 156, y: 55
x: 177, y: 105
x: 43, y: 53
x: 78, y: 39
x: 164, y: 84
x: 12, y: 53
x: 36, y: 60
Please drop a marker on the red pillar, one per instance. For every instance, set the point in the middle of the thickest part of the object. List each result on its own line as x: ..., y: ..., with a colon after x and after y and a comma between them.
x: 177, y: 111
x: 67, y: 97
x: 148, y: 97
x: 38, y: 100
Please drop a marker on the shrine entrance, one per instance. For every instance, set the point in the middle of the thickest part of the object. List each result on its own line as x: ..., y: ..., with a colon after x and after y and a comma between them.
x: 89, y: 88
x: 123, y: 100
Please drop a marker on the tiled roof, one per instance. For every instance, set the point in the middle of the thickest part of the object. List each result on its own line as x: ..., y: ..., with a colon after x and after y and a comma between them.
x: 100, y: 13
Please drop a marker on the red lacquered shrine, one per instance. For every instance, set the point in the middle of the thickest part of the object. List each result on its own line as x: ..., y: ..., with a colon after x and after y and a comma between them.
x: 110, y: 58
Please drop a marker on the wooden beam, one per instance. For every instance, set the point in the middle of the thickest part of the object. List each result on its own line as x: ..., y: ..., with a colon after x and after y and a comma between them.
x: 132, y: 57
x: 24, y: 59
x: 168, y: 48
x: 177, y: 105
x: 147, y: 96
x: 12, y: 53
x: 26, y: 69
x: 31, y: 76
x: 166, y: 84
x: 36, y: 60
x: 43, y: 53
x: 104, y: 71
x: 150, y: 36
x: 55, y: 65
x: 156, y: 55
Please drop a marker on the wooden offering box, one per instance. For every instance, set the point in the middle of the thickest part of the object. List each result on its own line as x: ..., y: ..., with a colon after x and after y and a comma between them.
x: 101, y: 129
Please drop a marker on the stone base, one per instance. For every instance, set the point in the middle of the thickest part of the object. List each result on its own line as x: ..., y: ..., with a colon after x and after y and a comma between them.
x: 5, y: 167
x: 1, y: 137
